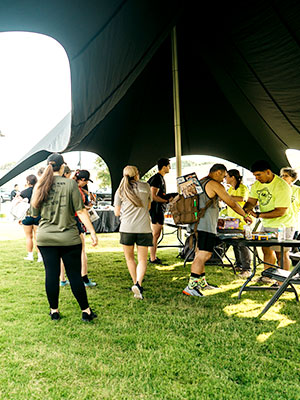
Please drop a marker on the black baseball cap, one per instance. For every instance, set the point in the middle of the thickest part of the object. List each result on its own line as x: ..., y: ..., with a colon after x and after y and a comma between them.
x: 55, y: 159
x: 83, y: 174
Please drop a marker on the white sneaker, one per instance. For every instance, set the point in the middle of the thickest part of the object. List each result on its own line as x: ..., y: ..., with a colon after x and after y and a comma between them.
x: 29, y: 257
x: 40, y: 258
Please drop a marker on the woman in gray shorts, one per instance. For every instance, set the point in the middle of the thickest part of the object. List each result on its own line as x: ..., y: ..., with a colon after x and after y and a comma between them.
x: 132, y: 203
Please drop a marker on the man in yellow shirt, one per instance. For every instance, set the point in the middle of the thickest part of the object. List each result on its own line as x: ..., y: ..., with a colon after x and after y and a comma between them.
x: 273, y: 195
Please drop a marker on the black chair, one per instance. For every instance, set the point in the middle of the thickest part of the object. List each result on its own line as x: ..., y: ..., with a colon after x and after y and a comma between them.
x: 288, y: 278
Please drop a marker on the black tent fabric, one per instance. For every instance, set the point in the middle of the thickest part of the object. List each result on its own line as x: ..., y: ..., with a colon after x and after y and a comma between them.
x: 238, y: 71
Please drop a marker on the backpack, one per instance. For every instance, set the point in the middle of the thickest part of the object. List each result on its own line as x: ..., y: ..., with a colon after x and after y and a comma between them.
x: 186, y: 210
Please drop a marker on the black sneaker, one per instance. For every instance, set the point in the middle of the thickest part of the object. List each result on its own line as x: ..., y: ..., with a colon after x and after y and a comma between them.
x: 88, y: 317
x: 157, y: 261
x: 54, y: 316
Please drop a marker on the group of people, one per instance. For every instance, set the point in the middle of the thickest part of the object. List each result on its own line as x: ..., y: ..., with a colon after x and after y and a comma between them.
x: 59, y: 209
x: 273, y: 199
x: 57, y: 221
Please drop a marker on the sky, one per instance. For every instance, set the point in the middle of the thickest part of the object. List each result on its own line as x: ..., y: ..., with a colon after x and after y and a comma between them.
x: 35, y: 94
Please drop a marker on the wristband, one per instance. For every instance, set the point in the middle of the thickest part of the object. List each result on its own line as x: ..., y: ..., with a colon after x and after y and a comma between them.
x: 257, y: 214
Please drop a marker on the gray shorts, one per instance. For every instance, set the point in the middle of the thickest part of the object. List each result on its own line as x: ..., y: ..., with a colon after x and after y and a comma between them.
x: 141, y: 239
x: 289, y: 235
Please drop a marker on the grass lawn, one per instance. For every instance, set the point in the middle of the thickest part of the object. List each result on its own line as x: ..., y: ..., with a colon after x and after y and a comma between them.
x: 168, y: 346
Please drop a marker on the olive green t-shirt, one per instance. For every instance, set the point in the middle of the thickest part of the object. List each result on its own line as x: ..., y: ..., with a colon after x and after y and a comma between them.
x: 57, y: 226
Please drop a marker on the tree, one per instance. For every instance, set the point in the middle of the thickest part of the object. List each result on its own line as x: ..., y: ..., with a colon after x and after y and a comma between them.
x: 103, y: 174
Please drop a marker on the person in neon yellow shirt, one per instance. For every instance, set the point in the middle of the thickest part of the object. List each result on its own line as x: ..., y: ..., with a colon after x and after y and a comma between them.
x: 273, y: 195
x: 239, y: 192
x: 290, y: 176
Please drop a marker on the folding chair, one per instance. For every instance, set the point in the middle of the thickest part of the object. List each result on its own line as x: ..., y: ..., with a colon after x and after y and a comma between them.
x: 288, y: 278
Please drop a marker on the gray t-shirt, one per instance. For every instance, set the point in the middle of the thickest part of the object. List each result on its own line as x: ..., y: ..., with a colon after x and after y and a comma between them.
x: 57, y: 226
x: 135, y: 219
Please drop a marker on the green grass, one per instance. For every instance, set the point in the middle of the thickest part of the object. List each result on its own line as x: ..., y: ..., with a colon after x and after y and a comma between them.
x: 166, y: 347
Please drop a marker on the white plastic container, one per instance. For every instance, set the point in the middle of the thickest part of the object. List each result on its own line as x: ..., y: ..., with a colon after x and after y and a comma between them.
x: 281, y: 233
x: 247, y: 232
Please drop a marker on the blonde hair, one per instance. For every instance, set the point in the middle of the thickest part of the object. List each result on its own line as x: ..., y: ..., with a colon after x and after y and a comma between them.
x: 128, y: 185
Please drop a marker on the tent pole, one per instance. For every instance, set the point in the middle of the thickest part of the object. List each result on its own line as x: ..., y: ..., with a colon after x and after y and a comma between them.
x: 177, y: 126
x: 176, y: 105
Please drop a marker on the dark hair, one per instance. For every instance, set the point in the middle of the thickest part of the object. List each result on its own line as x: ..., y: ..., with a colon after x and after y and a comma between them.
x: 42, y: 189
x: 31, y: 179
x: 162, y: 162
x: 217, y: 167
x: 41, y: 171
x: 82, y: 174
x: 260, y: 165
x: 292, y: 172
x: 238, y: 177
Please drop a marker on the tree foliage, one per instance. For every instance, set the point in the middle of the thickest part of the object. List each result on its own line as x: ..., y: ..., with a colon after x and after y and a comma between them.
x: 103, y: 174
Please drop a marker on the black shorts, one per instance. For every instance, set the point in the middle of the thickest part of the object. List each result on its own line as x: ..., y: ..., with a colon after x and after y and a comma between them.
x: 157, y: 217
x: 28, y: 220
x: 141, y: 239
x: 206, y: 241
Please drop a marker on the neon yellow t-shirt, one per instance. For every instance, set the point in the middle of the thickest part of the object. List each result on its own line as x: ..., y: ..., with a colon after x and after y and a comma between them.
x: 295, y: 204
x: 241, y: 191
x: 273, y: 195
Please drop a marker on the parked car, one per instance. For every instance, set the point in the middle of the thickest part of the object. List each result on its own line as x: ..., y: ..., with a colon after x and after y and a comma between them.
x: 4, y: 195
x: 103, y: 195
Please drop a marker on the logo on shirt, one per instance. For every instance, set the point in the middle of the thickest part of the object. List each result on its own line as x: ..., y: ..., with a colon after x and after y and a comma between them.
x: 264, y: 196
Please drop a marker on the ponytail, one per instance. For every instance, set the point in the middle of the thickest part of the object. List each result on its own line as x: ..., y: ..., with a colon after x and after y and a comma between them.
x: 127, y: 187
x: 42, y: 188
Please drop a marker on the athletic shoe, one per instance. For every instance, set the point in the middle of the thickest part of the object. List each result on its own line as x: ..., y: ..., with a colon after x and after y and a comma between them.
x: 208, y: 287
x: 265, y: 279
x: 88, y: 317
x: 40, y: 258
x: 245, y: 274
x: 90, y: 284
x: 137, y: 291
x: 157, y: 261
x: 192, y: 292
x: 54, y: 316
x: 29, y: 258
x: 64, y: 283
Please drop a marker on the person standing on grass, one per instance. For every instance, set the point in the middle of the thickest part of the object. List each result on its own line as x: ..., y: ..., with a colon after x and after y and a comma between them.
x: 132, y: 203
x: 239, y: 192
x: 82, y: 177
x: 290, y: 176
x: 207, y: 227
x: 56, y: 199
x: 158, y: 205
x: 273, y: 195
x: 30, y: 223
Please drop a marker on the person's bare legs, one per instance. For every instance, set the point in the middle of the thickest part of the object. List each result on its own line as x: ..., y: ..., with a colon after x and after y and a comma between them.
x: 83, y: 256
x: 286, y: 260
x: 130, y: 261
x: 156, y: 232
x: 269, y: 256
x: 35, y: 243
x: 28, y: 230
x: 62, y: 272
x: 198, y: 265
x: 142, y: 252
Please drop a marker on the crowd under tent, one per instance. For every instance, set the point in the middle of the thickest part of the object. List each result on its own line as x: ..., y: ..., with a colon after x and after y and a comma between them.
x: 239, y: 79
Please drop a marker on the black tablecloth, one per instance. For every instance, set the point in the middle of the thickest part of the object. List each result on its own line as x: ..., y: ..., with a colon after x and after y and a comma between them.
x: 107, y: 222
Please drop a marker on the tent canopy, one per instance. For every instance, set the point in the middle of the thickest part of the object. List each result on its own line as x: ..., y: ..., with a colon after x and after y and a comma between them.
x: 239, y: 76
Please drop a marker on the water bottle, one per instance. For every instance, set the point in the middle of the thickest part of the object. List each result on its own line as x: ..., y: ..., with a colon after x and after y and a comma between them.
x: 247, y: 232
x: 281, y: 233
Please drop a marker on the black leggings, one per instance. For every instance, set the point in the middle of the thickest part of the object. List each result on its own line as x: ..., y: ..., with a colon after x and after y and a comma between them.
x: 71, y: 256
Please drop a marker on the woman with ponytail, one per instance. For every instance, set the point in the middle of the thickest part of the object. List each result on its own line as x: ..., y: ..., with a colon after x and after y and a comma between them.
x: 56, y: 199
x: 239, y: 192
x: 132, y: 203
